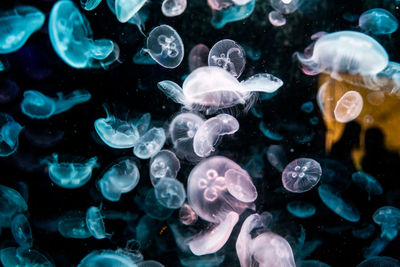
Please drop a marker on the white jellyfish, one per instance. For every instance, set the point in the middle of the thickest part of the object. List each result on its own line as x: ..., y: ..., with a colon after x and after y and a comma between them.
x: 163, y: 164
x: 172, y: 8
x: 150, y: 143
x: 276, y: 18
x: 348, y: 107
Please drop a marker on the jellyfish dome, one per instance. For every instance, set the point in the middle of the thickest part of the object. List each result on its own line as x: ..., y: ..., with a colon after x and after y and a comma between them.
x: 37, y: 106
x: 170, y: 193
x: 9, y: 133
x: 388, y: 218
x: 150, y: 143
x: 12, y: 256
x: 12, y: 203
x: 348, y: 107
x: 163, y: 164
x: 276, y: 18
x: 73, y: 225
x: 301, y: 175
x: 107, y: 258
x: 165, y: 46
x: 172, y: 8
x: 301, y: 209
x: 285, y: 6
x: 367, y: 182
x: 21, y: 231
x: 126, y: 9
x: 378, y: 21
x: 186, y: 215
x: 198, y: 56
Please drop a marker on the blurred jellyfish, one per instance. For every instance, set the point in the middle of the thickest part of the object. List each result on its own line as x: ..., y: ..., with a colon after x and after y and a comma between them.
x: 198, y: 57
x: 380, y: 261
x: 170, y: 193
x: 43, y: 137
x: 367, y: 183
x: 139, y: 18
x: 376, y: 247
x: 165, y: 46
x: 186, y: 215
x: 90, y: 4
x: 38, y: 106
x: 72, y: 39
x: 149, y: 263
x: 163, y: 164
x: 307, y: 107
x: 73, y: 225
x: 301, y: 175
x: 301, y: 209
x: 211, y: 260
x: 219, y: 4
x: 211, y: 130
x: 173, y: 8
x: 110, y: 258
x: 142, y: 58
x: 9, y: 132
x: 251, y: 52
x: 153, y: 207
x: 365, y: 232
x: 121, y: 178
x: 345, y: 51
x: 229, y: 55
x: 70, y: 174
x: 95, y: 223
x: 17, y: 25
x: 21, y: 231
x: 12, y: 257
x: 276, y: 18
x: 378, y: 21
x: 232, y: 13
x: 266, y: 249
x: 334, y: 202
x: 262, y: 82
x: 388, y: 218
x: 126, y: 9
x: 8, y: 91
x: 348, y: 107
x: 150, y: 143
x: 12, y: 203
x: 285, y: 6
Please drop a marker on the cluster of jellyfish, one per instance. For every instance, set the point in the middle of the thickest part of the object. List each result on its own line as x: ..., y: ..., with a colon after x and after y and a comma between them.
x: 217, y: 192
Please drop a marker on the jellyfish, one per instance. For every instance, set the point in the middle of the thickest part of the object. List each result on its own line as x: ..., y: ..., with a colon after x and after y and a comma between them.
x: 138, y: 19
x: 376, y: 247
x: 380, y: 261
x: 12, y: 203
x: 271, y: 134
x: 107, y: 258
x: 218, y: 190
x: 39, y: 106
x: 163, y: 164
x: 388, y: 218
x: 9, y: 132
x: 348, y: 107
x: 12, y: 256
x: 285, y: 6
x: 301, y: 209
x: 365, y: 232
x: 198, y: 57
x: 95, y: 223
x: 126, y: 9
x: 8, y: 91
x: 89, y: 5
x: 219, y: 4
x: 150, y: 143
x: 70, y: 174
x: 345, y: 52
x: 72, y: 39
x: 262, y: 82
x: 211, y: 260
x: 186, y: 215
x: 276, y: 18
x: 232, y: 13
x: 170, y: 193
x: 307, y: 107
x: 73, y: 225
x: 211, y: 130
x: 154, y: 208
x: 121, y: 178
x: 21, y: 231
x: 17, y: 25
x: 378, y: 21
x: 335, y: 203
x: 173, y: 8
x: 149, y: 263
x: 229, y: 55
x: 251, y: 52
x: 142, y: 58
x: 367, y: 183
x: 266, y: 249
x: 301, y: 175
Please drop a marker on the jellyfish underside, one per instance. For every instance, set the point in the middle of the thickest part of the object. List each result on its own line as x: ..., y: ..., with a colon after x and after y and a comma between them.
x: 301, y: 175
x: 95, y: 223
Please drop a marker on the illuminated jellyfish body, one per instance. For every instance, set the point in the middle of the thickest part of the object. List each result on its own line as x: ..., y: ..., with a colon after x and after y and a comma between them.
x: 150, y: 143
x: 266, y: 249
x: 139, y: 18
x: 17, y: 25
x: 73, y: 225
x: 121, y: 178
x: 262, y: 82
x: 229, y: 55
x: 345, y: 52
x: 126, y: 9
x: 70, y: 174
x: 170, y: 193
x: 72, y: 39
x: 335, y: 203
x: 187, y: 216
x: 12, y: 203
x: 38, y: 106
x: 90, y: 4
x: 367, y: 183
x: 388, y: 218
x: 301, y: 175
x: 163, y: 164
x: 21, y: 231
x: 173, y: 8
x: 95, y: 223
x: 378, y: 21
x: 276, y: 19
x: 165, y: 46
x: 232, y: 13
x: 218, y: 190
x: 182, y: 131
x: 285, y: 6
x: 9, y: 132
x: 107, y: 258
x: 380, y: 261
x: 301, y: 209
x: 198, y: 56
x: 12, y: 256
x: 153, y: 207
x: 210, y: 132
x: 348, y: 107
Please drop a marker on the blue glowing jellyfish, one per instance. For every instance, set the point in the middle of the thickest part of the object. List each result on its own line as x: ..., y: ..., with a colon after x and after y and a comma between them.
x: 17, y: 25
x: 271, y: 134
x: 9, y: 132
x: 12, y: 203
x: 170, y: 193
x: 126, y: 9
x: 70, y: 174
x: 150, y: 143
x: 138, y: 19
x: 365, y: 232
x: 38, y: 106
x: 153, y: 207
x: 95, y: 223
x: 109, y: 258
x: 163, y: 164
x: 380, y: 261
x: 334, y: 202
x: 73, y: 225
x: 376, y: 247
x: 232, y: 14
x: 21, y: 231
x: 307, y: 107
x: 72, y: 39
x: 367, y: 183
x: 121, y: 178
x: 8, y: 91
x: 90, y: 4
x: 12, y: 256
x: 301, y: 209
x: 388, y: 218
x: 378, y: 21
x: 301, y: 175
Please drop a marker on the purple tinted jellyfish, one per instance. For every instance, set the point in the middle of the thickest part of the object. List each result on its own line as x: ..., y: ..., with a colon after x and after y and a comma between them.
x: 285, y: 6
x: 163, y: 164
x: 301, y: 175
x: 186, y: 215
x: 198, y: 57
x: 229, y: 55
x: 173, y: 8
x: 219, y: 4
x: 276, y: 19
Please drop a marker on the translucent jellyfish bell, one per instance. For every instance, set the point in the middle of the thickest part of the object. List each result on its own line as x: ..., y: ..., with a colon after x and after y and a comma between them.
x: 262, y: 82
x: 9, y: 133
x: 95, y: 223
x: 276, y: 19
x: 198, y: 56
x: 90, y: 4
x: 73, y: 225
x: 229, y: 55
x: 12, y: 256
x: 107, y: 258
x: 378, y: 21
x: 301, y: 209
x: 173, y: 8
x: 163, y: 164
x: 17, y: 25
x: 165, y: 46
x: 150, y: 143
x: 348, y: 107
x: 388, y: 218
x: 170, y: 193
x: 285, y: 6
x: 12, y: 203
x: 301, y: 175
x: 126, y: 9
x: 186, y: 215
x: 367, y: 183
x: 21, y: 231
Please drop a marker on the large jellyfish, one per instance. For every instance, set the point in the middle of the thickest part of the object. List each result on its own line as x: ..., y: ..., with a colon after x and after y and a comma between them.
x: 150, y: 143
x: 231, y: 13
x: 378, y: 21
x: 173, y: 8
x: 163, y: 164
x: 17, y: 25
x: 348, y: 107
x: 72, y: 39
x: 198, y: 56
x: 12, y: 256
x: 165, y: 46
x: 95, y: 223
x: 21, y: 231
x: 285, y: 6
x: 9, y: 132
x: 126, y: 9
x: 170, y: 193
x: 110, y: 258
x: 12, y: 203
x: 38, y: 106
x: 121, y: 178
x: 301, y: 175
x: 301, y: 209
x: 367, y: 183
x: 388, y: 218
x: 266, y: 249
x: 218, y: 190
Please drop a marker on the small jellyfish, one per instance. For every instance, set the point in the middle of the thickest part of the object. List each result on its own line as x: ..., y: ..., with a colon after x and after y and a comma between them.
x: 95, y: 223
x: 150, y: 143
x: 139, y: 18
x: 43, y: 137
x: 173, y: 8
x: 73, y: 225
x: 90, y: 4
x: 17, y: 25
x: 170, y: 193
x: 9, y: 133
x: 121, y: 178
x: 154, y: 208
x: 186, y: 215
x: 126, y: 9
x: 165, y: 46
x: 334, y: 202
x: 198, y: 57
x: 110, y: 258
x: 21, y: 231
x: 307, y: 107
x: 8, y: 91
x: 229, y: 55
x: 348, y: 107
x: 301, y: 209
x: 380, y: 261
x: 252, y: 52
x: 163, y: 164
x: 262, y: 82
x: 232, y: 13
x: 12, y: 256
x: 70, y: 174
x: 367, y: 183
x: 301, y: 175
x: 388, y: 218
x: 38, y: 106
x: 276, y: 18
x: 285, y: 6
x: 378, y: 21
x: 211, y: 130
